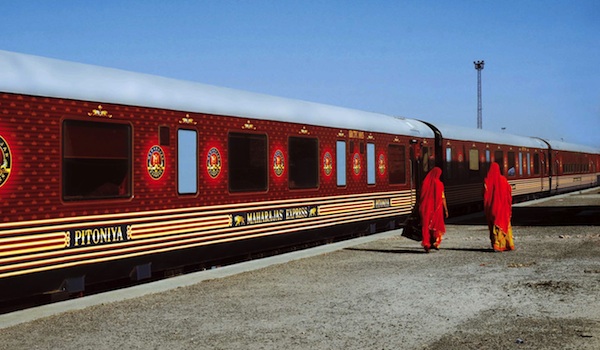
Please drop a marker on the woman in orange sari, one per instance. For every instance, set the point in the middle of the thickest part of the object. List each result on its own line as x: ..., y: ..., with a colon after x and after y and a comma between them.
x: 497, y: 203
x: 433, y: 210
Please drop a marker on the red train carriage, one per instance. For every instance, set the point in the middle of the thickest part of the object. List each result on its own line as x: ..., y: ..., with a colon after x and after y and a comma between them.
x: 572, y: 166
x: 110, y: 175
x: 466, y: 154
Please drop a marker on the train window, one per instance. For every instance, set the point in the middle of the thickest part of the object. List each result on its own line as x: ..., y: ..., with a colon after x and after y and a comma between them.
x: 520, y: 163
x: 187, y: 161
x: 536, y: 164
x: 461, y: 164
x: 397, y: 163
x: 425, y: 159
x: 528, y: 163
x: 96, y: 160
x: 164, y: 136
x: 370, y: 163
x: 485, y: 167
x: 511, y: 164
x: 340, y: 164
x: 248, y: 163
x: 474, y: 159
x: 473, y: 163
x: 304, y: 162
x: 499, y: 158
x: 448, y: 170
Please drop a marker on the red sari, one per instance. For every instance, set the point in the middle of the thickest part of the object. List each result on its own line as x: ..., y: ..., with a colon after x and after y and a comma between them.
x: 497, y: 203
x: 432, y: 209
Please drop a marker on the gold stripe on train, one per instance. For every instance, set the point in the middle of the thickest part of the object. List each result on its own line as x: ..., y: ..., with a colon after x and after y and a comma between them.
x: 127, y: 243
x: 122, y: 253
x: 141, y: 229
x: 131, y: 217
x: 330, y: 209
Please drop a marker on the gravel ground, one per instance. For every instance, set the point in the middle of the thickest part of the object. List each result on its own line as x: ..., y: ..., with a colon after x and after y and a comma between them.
x: 382, y: 294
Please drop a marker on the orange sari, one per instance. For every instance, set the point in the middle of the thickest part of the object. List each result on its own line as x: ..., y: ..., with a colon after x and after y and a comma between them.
x: 497, y: 203
x: 432, y: 209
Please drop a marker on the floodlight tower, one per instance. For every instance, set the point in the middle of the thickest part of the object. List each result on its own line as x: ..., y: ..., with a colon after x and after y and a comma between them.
x: 479, y: 67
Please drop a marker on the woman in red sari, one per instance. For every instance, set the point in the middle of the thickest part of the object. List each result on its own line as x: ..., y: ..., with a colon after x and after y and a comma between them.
x: 433, y: 209
x: 497, y: 203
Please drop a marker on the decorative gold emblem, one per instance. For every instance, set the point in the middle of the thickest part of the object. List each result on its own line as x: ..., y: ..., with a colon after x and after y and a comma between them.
x: 156, y: 162
x: 249, y: 126
x: 188, y: 120
x: 5, y: 161
x: 355, y: 134
x: 356, y: 163
x: 278, y: 163
x: 99, y: 112
x: 327, y: 163
x: 239, y: 220
x: 381, y: 164
x: 304, y: 131
x: 213, y: 162
x: 341, y: 134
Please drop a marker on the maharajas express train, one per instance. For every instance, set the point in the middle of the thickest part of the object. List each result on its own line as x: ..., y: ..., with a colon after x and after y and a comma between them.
x: 107, y: 175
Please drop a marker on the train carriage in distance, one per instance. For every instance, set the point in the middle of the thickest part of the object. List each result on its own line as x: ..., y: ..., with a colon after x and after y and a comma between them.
x: 534, y: 167
x: 572, y: 166
x: 110, y: 175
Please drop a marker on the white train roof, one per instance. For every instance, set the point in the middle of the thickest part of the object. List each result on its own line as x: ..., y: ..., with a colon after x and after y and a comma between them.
x: 39, y: 76
x: 566, y: 146
x: 481, y: 135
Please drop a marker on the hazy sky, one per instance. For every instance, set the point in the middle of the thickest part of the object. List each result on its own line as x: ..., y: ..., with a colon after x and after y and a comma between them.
x: 407, y: 58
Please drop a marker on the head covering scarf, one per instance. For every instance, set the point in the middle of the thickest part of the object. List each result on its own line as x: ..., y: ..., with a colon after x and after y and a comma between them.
x: 497, y: 198
x: 431, y: 206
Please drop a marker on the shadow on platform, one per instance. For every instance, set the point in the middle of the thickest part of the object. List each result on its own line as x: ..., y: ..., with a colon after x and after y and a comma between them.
x: 479, y: 250
x: 392, y: 251
x: 541, y: 216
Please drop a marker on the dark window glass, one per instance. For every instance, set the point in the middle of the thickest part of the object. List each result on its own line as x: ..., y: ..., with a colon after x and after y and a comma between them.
x: 96, y: 160
x: 425, y: 160
x: 499, y: 158
x: 397, y: 160
x: 448, y: 173
x: 164, y: 135
x: 304, y: 162
x: 247, y: 159
x: 512, y: 171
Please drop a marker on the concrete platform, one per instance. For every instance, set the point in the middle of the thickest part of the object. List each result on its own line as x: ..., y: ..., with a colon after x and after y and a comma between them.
x: 375, y: 292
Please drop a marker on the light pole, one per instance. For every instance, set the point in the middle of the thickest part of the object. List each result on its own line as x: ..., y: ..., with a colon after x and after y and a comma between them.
x: 479, y: 67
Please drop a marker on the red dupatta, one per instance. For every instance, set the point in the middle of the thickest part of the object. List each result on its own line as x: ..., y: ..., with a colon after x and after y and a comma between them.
x: 497, y: 198
x: 431, y: 205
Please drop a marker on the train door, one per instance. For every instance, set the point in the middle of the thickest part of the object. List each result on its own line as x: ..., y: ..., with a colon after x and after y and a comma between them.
x: 539, y: 168
x: 555, y: 170
x: 416, y: 173
x: 545, y: 164
x: 421, y: 161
